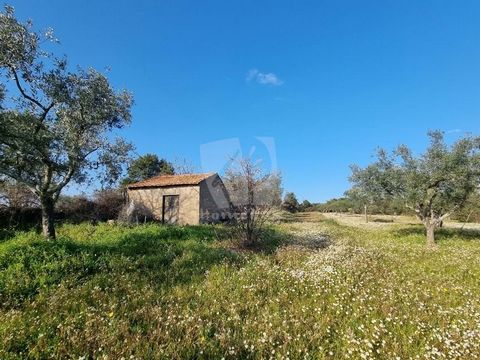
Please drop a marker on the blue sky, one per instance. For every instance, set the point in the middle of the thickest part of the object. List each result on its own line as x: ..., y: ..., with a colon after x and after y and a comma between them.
x: 310, y: 86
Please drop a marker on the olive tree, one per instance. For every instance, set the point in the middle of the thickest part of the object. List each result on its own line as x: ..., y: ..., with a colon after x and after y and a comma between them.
x: 55, y: 124
x: 432, y: 185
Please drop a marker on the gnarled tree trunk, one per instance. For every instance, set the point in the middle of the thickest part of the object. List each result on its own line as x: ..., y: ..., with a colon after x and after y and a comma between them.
x: 48, y: 214
x: 431, y: 222
x: 430, y: 235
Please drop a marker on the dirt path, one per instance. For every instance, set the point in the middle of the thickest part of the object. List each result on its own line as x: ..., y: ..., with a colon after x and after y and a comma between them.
x: 382, y: 221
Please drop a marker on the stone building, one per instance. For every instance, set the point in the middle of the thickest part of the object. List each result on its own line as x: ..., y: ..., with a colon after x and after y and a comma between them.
x: 182, y: 199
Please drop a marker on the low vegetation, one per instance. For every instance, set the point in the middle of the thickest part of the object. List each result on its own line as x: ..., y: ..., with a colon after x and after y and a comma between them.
x: 433, y: 185
x: 318, y: 290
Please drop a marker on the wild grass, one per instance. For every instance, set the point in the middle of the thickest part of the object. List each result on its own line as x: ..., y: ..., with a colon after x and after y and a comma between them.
x: 318, y: 290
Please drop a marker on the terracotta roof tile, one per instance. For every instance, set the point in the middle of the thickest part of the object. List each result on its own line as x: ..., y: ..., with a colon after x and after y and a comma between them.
x: 171, y: 180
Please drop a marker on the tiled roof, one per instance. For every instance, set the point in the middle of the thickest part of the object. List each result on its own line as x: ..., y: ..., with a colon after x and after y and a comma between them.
x: 171, y: 180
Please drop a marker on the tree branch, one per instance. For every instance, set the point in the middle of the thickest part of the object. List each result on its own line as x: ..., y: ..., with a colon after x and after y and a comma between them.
x: 448, y: 213
x: 436, y: 183
x: 43, y: 117
x: 56, y: 189
x: 412, y: 208
x: 24, y: 94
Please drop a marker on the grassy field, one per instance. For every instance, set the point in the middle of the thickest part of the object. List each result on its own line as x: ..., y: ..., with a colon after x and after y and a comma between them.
x: 318, y: 290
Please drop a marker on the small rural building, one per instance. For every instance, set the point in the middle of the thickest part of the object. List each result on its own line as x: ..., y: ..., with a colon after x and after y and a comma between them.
x: 182, y: 199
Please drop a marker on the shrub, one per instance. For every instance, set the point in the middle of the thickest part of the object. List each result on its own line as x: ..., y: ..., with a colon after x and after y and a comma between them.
x: 76, y: 209
x: 19, y: 218
x: 134, y: 213
x: 290, y: 203
x: 108, y: 204
x: 105, y: 205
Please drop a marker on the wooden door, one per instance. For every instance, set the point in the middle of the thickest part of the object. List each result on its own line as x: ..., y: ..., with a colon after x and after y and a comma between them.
x: 171, y: 206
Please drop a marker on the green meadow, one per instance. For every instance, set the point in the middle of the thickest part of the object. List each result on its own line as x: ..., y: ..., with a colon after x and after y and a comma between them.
x: 315, y: 289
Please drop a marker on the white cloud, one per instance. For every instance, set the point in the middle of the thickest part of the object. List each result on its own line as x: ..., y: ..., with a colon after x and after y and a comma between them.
x: 263, y: 78
x: 453, y: 131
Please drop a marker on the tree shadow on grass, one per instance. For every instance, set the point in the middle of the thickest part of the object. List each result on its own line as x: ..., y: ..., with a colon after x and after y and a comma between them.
x: 94, y: 275
x: 267, y: 242
x: 6, y: 234
x: 379, y: 220
x: 440, y: 234
x: 168, y: 257
x: 174, y: 261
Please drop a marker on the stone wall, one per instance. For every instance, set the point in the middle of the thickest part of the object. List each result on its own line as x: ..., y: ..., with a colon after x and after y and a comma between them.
x: 214, y: 200
x: 152, y: 199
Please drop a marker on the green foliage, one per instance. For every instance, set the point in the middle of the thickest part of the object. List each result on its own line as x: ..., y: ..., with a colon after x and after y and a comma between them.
x: 355, y: 204
x: 306, y: 206
x: 29, y: 265
x: 290, y: 202
x: 177, y: 292
x: 433, y: 185
x: 56, y: 126
x: 337, y: 205
x: 147, y: 166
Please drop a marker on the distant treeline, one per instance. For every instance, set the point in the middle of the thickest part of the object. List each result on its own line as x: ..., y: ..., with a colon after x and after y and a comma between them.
x: 345, y: 204
x: 102, y: 206
x: 470, y: 213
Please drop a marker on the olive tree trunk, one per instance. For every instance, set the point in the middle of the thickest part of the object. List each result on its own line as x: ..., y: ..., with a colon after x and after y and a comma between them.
x: 431, y: 235
x: 48, y: 216
x: 431, y: 225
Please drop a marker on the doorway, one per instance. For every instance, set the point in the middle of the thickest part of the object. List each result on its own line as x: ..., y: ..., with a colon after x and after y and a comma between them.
x: 171, y: 206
